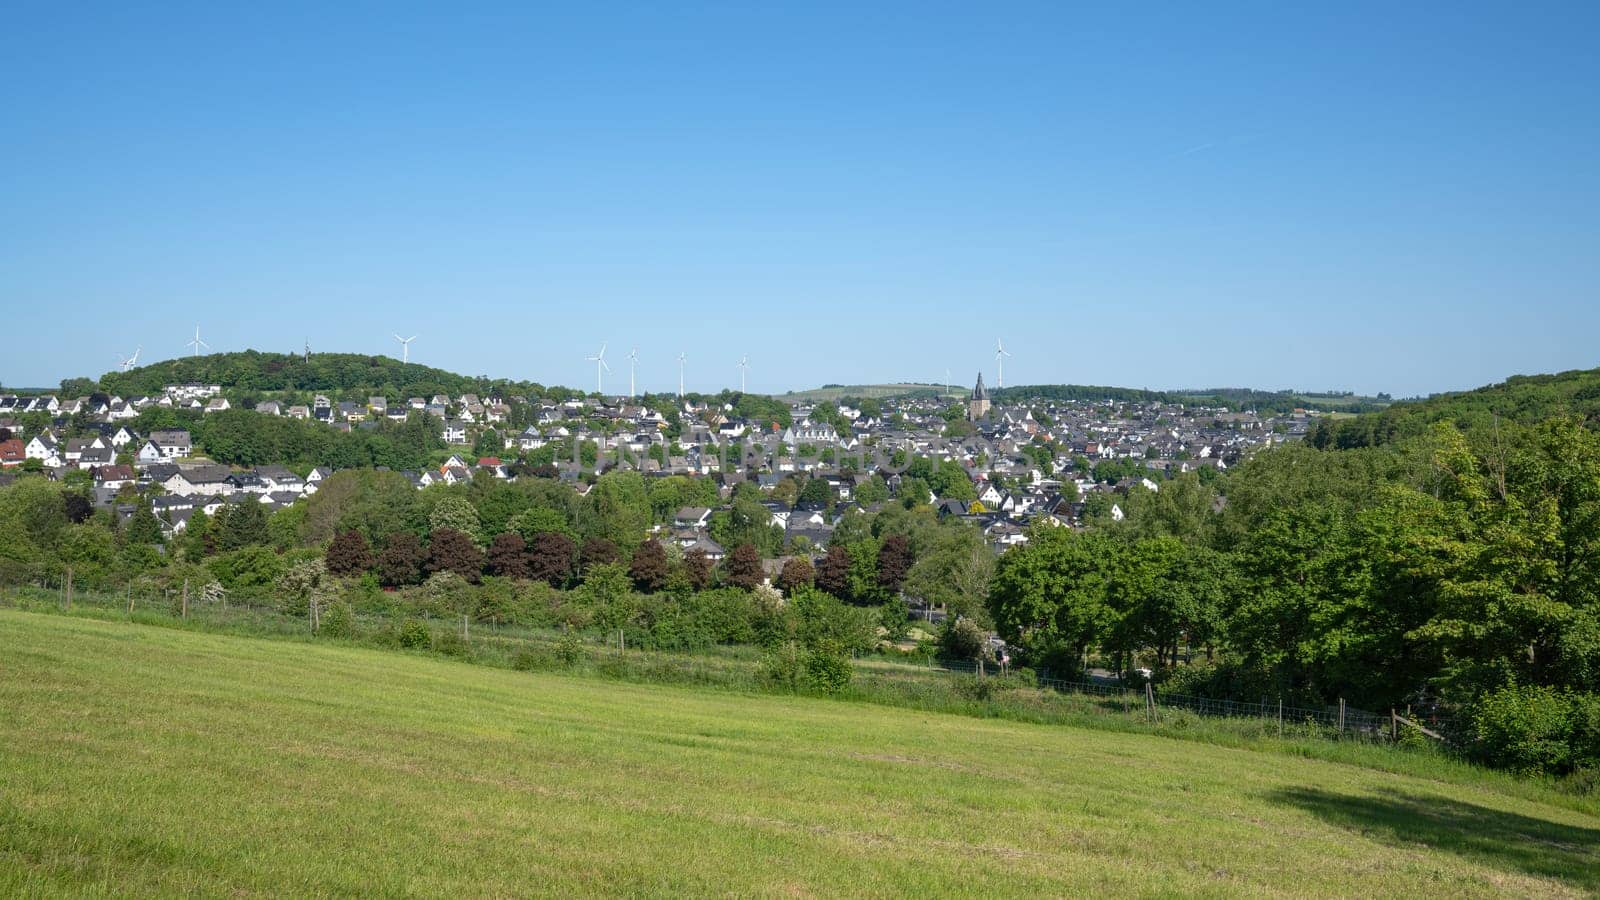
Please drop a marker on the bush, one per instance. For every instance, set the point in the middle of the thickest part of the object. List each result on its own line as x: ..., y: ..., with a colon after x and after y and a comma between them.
x: 530, y: 659
x: 450, y: 644
x: 569, y: 650
x: 414, y: 634
x: 338, y: 620
x: 1525, y: 729
x: 828, y: 671
x: 782, y: 666
x: 960, y: 639
x: 1231, y: 680
x: 895, y: 616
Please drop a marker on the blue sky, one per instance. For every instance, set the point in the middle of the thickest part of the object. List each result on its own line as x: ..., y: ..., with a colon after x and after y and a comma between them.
x: 1357, y: 196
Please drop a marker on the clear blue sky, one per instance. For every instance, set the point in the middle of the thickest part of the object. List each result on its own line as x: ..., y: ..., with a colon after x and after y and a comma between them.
x: 1358, y: 196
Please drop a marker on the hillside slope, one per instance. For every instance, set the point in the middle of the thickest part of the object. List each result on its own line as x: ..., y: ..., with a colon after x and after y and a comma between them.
x: 1524, y: 399
x: 145, y: 761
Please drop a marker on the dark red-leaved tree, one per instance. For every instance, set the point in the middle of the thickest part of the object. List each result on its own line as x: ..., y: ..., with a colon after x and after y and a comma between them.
x: 550, y: 557
x: 649, y: 568
x: 598, y: 552
x: 348, y: 554
x: 743, y: 567
x: 797, y: 572
x: 402, y: 560
x: 697, y: 569
x: 451, y: 551
x: 508, y: 556
x: 833, y: 575
x: 894, y: 561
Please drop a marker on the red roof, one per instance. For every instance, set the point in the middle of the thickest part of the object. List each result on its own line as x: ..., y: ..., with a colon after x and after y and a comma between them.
x: 12, y: 451
x: 489, y: 462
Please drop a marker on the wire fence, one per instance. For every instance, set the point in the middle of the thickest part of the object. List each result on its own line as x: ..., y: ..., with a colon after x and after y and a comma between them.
x: 729, y: 666
x: 1339, y: 718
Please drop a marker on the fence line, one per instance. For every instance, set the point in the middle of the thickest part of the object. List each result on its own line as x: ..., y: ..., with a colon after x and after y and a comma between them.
x: 1340, y: 719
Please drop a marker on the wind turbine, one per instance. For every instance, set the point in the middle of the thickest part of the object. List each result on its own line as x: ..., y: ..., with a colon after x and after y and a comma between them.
x: 197, y: 343
x: 599, y: 360
x: 130, y: 361
x: 405, y: 347
x: 633, y: 362
x: 681, y: 359
x: 744, y: 369
x: 1000, y: 355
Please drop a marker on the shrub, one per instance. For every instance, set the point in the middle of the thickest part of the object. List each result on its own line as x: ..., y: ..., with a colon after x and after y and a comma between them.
x: 450, y: 644
x: 824, y: 620
x: 782, y: 666
x: 828, y: 671
x: 530, y: 659
x: 338, y: 620
x: 414, y: 634
x: 569, y: 650
x: 960, y: 638
x: 444, y: 595
x: 1525, y: 729
x: 895, y: 616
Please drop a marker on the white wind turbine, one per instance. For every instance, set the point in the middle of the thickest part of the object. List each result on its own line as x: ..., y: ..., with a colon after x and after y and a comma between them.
x: 1000, y: 355
x: 131, y: 361
x: 633, y: 362
x: 681, y: 359
x: 405, y: 346
x: 600, y: 367
x: 744, y: 369
x: 197, y: 343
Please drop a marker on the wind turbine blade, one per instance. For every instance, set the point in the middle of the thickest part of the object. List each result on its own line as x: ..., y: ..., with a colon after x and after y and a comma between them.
x: 606, y: 364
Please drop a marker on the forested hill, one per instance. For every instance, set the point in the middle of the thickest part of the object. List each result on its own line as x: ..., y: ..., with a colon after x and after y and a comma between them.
x: 1266, y: 402
x: 349, y: 375
x: 1521, y: 399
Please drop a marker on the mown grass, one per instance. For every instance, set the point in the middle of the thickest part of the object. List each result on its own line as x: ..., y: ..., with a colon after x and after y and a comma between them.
x: 877, y: 680
x: 138, y: 761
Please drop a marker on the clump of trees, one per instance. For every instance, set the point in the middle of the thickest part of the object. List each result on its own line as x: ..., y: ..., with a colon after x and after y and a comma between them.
x: 1458, y: 571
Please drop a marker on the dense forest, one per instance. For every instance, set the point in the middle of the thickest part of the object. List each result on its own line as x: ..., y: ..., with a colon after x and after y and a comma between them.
x: 348, y: 376
x: 1522, y: 399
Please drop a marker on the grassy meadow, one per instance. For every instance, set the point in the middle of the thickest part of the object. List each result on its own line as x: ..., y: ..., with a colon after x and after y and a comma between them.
x: 137, y: 760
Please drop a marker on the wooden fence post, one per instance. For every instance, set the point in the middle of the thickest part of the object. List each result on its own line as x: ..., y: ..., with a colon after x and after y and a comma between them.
x: 185, y: 607
x: 1341, y: 715
x: 1150, y: 701
x: 69, y: 587
x: 1394, y: 725
x: 1280, y: 718
x: 130, y: 599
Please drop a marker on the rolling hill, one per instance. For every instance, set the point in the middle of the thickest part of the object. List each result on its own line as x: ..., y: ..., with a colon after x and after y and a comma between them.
x: 1523, y: 399
x: 149, y: 761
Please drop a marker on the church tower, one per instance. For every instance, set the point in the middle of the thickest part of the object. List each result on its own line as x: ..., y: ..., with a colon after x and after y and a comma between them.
x: 978, y: 405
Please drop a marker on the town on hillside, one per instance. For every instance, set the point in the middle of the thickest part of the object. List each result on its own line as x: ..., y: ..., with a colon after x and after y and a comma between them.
x: 1002, y: 466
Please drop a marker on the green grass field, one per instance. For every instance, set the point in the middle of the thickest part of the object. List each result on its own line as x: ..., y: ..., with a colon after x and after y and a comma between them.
x: 142, y: 760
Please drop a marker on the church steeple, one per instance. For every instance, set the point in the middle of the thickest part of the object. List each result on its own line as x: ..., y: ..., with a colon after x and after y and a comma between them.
x: 978, y: 405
